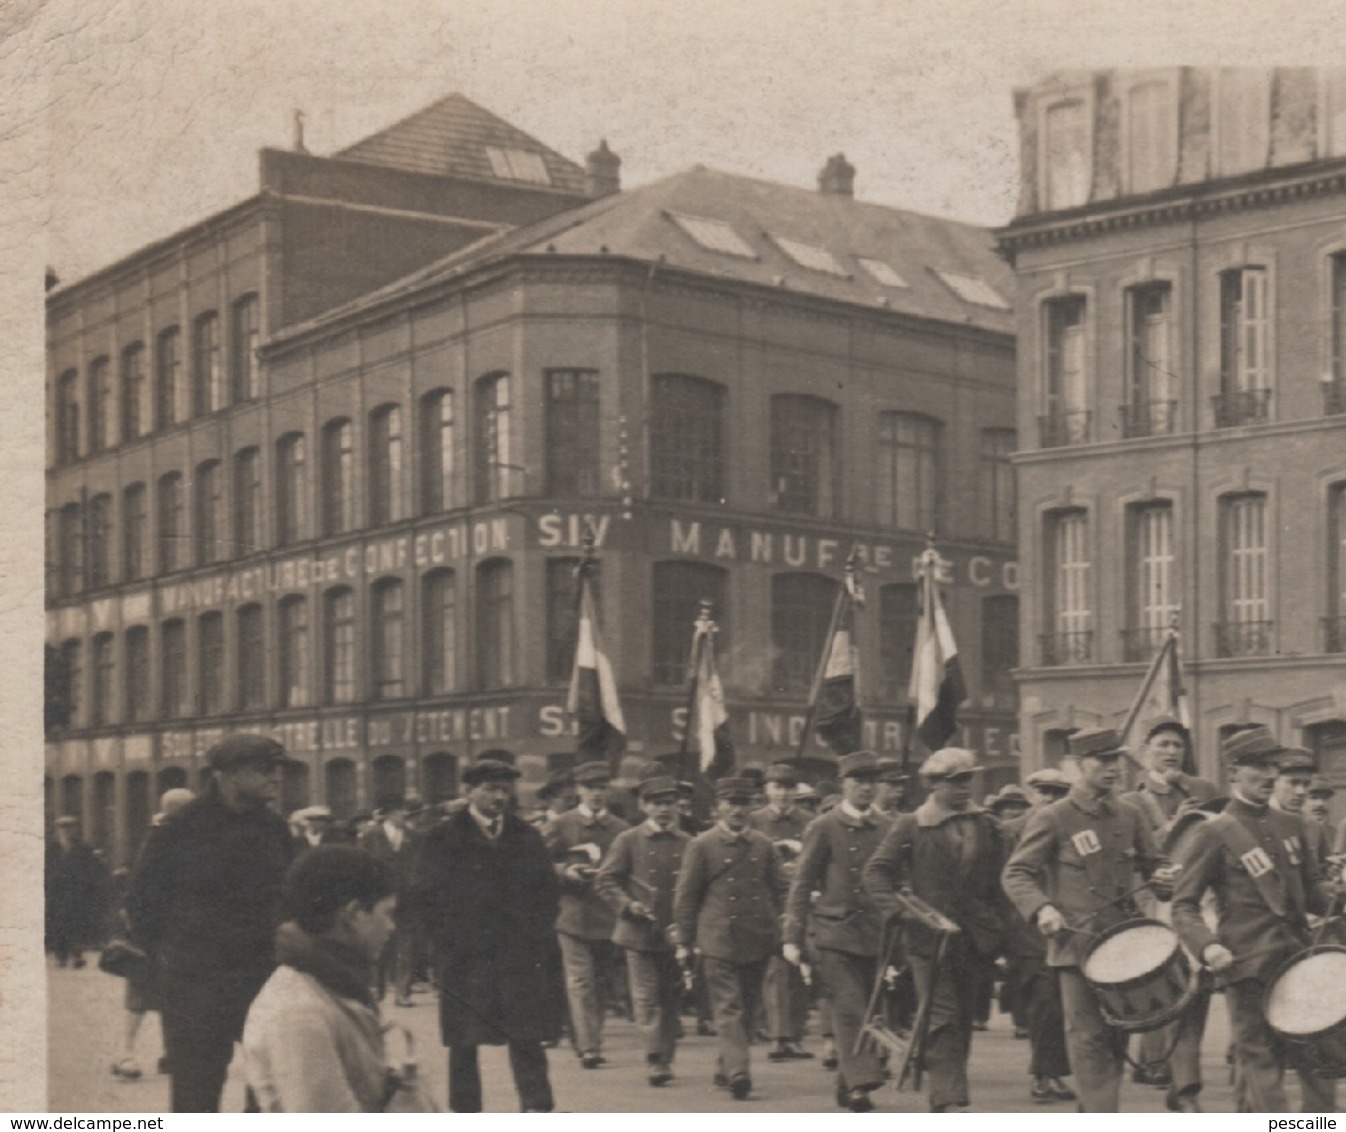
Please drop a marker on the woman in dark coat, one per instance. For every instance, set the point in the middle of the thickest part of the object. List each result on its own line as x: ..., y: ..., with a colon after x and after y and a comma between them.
x: 485, y: 892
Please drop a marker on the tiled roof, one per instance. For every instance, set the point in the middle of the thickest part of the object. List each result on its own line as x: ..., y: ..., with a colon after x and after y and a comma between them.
x: 455, y: 136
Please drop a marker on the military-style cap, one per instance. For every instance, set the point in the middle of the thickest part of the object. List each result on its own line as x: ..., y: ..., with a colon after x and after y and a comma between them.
x: 1321, y: 788
x: 243, y: 749
x: 659, y: 785
x: 742, y: 788
x: 1296, y: 758
x: 1010, y: 795
x: 947, y: 762
x: 890, y: 770
x: 858, y: 764
x: 591, y: 774
x: 1096, y: 743
x: 1252, y: 746
x: 318, y: 813
x: 489, y: 770
x: 557, y: 781
x: 783, y: 773
x: 754, y: 774
x: 686, y: 789
x: 361, y: 815
x: 1165, y: 722
x: 1048, y: 778
x: 805, y: 793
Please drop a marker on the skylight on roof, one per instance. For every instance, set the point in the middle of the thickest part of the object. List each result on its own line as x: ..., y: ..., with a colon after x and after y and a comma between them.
x: 973, y: 289
x: 882, y: 272
x: 812, y: 256
x: 518, y: 165
x: 713, y: 235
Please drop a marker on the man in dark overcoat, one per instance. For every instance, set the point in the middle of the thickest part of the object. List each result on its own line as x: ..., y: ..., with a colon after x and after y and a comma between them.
x: 205, y: 903
x: 78, y: 891
x: 486, y: 894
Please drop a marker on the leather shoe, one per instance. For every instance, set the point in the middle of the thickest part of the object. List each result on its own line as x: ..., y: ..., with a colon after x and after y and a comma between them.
x: 1060, y: 1090
x: 789, y: 1051
x: 592, y: 1060
x: 857, y: 1100
x: 720, y: 1081
x: 660, y: 1074
x: 1181, y: 1102
x: 1041, y: 1091
x: 740, y: 1086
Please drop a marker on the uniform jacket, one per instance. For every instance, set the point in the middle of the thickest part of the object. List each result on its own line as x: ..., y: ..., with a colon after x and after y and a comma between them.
x: 730, y: 891
x: 780, y: 827
x: 1160, y: 801
x: 206, y: 894
x: 1081, y: 855
x: 642, y: 866
x: 842, y: 916
x: 489, y: 908
x: 1259, y: 938
x: 1023, y: 941
x: 922, y: 853
x: 583, y: 912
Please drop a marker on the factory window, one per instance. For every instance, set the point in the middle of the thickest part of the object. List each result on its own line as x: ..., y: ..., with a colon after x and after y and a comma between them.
x: 439, y: 640
x: 338, y: 477
x: 495, y: 624
x: 999, y: 644
x: 173, y: 668
x: 1151, y: 401
x: 910, y: 458
x: 247, y: 500
x: 291, y: 489
x: 804, y: 455
x: 898, y: 617
x: 210, y: 662
x: 686, y: 438
x: 100, y: 541
x: 437, y: 457
x: 388, y: 777
x: 563, y: 616
x: 136, y: 409
x: 169, y: 379
x: 104, y: 680
x: 1245, y: 626
x: 1151, y: 137
x: 135, y: 532
x: 997, y: 483
x: 1066, y: 146
x: 1153, y: 596
x: 1334, y: 385
x: 1335, y: 624
x: 1243, y: 120
x: 207, y: 374
x: 679, y: 590
x: 67, y: 417
x: 137, y: 674
x: 439, y: 777
x: 70, y: 549
x: 387, y: 484
x: 340, y: 788
x: 1066, y: 380
x: 251, y: 658
x: 72, y: 665
x: 245, y: 329
x: 172, y: 531
x: 209, y: 513
x: 339, y: 644
x: 1245, y: 356
x: 294, y: 651
x: 100, y: 405
x: 801, y: 613
x: 1070, y: 635
x: 387, y: 632
x: 491, y: 444
x: 573, y: 448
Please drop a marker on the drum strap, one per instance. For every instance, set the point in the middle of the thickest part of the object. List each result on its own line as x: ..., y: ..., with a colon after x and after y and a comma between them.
x: 1259, y: 865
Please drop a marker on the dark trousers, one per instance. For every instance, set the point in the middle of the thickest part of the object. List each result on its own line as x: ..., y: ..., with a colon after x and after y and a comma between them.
x: 1097, y: 1051
x: 1036, y: 987
x: 735, y: 995
x: 1260, y: 1057
x: 847, y: 980
x: 527, y: 1060
x: 953, y: 999
x: 656, y: 990
x: 786, y: 998
x: 201, y: 1021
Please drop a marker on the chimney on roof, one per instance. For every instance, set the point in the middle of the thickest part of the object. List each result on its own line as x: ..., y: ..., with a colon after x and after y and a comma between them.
x: 299, y: 146
x: 602, y: 172
x: 837, y: 177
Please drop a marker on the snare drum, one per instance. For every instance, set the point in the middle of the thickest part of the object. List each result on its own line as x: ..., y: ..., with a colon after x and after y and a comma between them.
x: 1140, y: 974
x: 1305, y: 1003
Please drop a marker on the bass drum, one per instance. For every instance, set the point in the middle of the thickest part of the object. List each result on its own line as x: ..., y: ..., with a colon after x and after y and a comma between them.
x: 1305, y: 1003
x: 1140, y: 974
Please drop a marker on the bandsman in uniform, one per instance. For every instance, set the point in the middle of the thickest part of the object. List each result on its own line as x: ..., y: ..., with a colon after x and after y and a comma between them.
x: 948, y: 853
x: 1266, y: 885
x: 1318, y: 807
x: 783, y: 991
x: 729, y: 894
x: 1074, y: 869
x: 578, y: 841
x: 892, y: 789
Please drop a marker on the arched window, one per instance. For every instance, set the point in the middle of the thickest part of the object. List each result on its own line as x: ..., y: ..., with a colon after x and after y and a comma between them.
x: 104, y: 810
x: 139, y: 807
x: 804, y: 455
x: 338, y: 477
x: 389, y: 775
x: 72, y: 666
x: 342, y: 797
x: 439, y: 636
x: 491, y: 439
x: 173, y: 668
x: 101, y: 703
x: 100, y: 405
x: 247, y: 501
x: 1245, y: 626
x: 897, y: 639
x: 679, y: 589
x: 67, y: 417
x: 294, y: 652
x: 387, y: 487
x: 245, y: 329
x: 100, y: 540
x: 251, y: 658
x: 495, y: 624
x: 437, y: 451
x: 387, y: 633
x: 801, y: 612
x: 135, y: 532
x: 209, y: 490
x: 210, y: 662
x: 169, y: 381
x: 686, y: 438
x: 137, y: 674
x: 997, y: 484
x: 572, y: 431
x: 137, y: 412
x: 207, y: 373
x: 339, y: 645
x: 70, y: 549
x: 291, y: 489
x: 172, y: 526
x: 910, y: 471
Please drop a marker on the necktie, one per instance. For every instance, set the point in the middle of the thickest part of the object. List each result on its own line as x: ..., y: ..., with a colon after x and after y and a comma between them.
x: 495, y: 828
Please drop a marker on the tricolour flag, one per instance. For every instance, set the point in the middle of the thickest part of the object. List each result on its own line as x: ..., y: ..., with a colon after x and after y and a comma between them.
x: 710, y: 717
x: 937, y: 686
x: 837, y: 717
x: 593, y: 691
x: 1160, y: 693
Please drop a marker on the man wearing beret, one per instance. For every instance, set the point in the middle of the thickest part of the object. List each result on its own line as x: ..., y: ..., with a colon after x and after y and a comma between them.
x: 729, y: 893
x: 784, y: 993
x: 205, y: 903
x: 578, y: 841
x: 484, y: 889
x: 1074, y: 868
x: 846, y: 927
x: 637, y: 879
x: 947, y: 853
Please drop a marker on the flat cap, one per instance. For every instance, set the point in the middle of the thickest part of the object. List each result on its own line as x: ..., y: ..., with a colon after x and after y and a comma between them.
x: 1321, y: 788
x: 754, y: 774
x: 243, y: 749
x: 858, y: 764
x: 947, y: 762
x: 1096, y: 743
x: 1010, y: 795
x: 589, y: 774
x: 1165, y: 722
x: 1048, y: 778
x: 659, y: 785
x: 489, y: 770
x: 1250, y: 747
x: 890, y: 770
x: 321, y: 813
x: 743, y: 788
x: 686, y: 789
x: 783, y: 773
x: 1296, y: 758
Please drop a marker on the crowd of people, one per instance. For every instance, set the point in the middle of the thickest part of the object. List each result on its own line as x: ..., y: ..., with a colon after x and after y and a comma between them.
x: 890, y: 923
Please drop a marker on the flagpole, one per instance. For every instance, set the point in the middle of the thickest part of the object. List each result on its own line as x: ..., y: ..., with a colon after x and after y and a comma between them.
x: 1142, y: 693
x: 927, y: 582
x: 699, y: 636
x: 837, y: 610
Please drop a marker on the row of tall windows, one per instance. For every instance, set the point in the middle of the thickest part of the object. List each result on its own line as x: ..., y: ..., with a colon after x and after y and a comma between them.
x: 1245, y: 623
x: 141, y: 395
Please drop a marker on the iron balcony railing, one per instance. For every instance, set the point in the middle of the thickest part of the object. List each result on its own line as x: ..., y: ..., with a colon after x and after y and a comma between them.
x: 1067, y: 648
x: 1241, y: 406
x: 1334, y: 633
x: 1243, y: 638
x: 1142, y: 644
x: 1148, y: 418
x: 1061, y: 429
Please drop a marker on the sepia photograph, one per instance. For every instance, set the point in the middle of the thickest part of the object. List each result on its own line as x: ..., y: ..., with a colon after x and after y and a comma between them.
x: 689, y: 557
